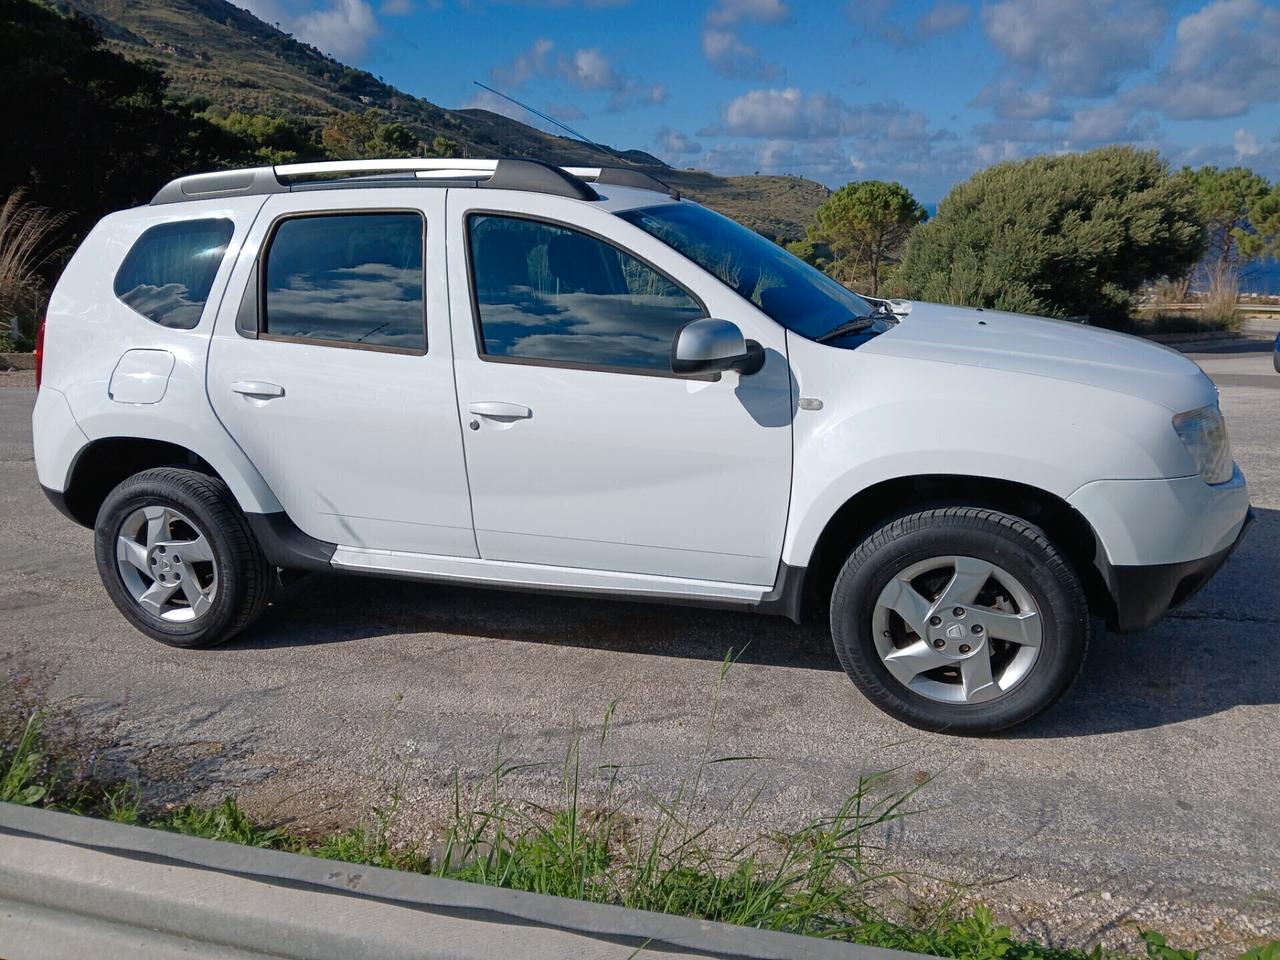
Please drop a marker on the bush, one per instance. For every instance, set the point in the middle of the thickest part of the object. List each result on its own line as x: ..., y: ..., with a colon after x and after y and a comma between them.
x: 1071, y: 235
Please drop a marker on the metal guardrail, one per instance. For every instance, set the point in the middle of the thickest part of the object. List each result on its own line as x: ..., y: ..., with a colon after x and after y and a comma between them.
x: 73, y: 887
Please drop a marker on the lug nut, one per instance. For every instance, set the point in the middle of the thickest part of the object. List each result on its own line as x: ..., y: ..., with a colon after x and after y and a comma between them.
x: 965, y: 648
x: 958, y: 611
x: 935, y: 621
x: 976, y: 628
x: 939, y: 643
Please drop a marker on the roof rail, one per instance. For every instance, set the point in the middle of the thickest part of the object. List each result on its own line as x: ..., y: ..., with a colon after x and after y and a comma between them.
x: 507, y: 174
x: 623, y: 177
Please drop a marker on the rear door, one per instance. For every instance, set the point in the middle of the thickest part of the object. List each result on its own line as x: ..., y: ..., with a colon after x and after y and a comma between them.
x: 333, y: 370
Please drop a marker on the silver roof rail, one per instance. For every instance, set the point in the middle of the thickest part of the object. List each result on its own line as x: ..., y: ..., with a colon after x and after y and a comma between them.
x: 531, y: 175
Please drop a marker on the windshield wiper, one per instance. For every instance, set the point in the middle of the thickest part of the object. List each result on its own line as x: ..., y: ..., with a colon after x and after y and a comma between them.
x: 856, y: 325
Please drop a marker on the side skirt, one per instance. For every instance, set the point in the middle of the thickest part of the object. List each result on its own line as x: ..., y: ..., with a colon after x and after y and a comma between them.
x: 287, y: 546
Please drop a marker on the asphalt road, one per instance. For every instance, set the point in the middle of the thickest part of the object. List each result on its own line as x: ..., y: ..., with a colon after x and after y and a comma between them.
x: 1151, y: 792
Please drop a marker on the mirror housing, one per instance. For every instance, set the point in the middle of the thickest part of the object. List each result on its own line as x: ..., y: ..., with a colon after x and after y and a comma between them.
x: 711, y: 346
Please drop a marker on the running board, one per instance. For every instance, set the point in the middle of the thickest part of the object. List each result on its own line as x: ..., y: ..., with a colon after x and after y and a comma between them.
x: 544, y: 578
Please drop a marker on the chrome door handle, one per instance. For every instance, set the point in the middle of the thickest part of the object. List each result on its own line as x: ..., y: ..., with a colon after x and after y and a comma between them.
x: 258, y: 389
x: 498, y: 410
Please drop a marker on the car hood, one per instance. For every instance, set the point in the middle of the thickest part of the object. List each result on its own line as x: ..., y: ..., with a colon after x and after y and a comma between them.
x: 1059, y: 349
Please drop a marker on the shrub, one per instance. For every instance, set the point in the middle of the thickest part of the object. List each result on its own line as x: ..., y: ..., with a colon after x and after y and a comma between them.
x: 1072, y: 235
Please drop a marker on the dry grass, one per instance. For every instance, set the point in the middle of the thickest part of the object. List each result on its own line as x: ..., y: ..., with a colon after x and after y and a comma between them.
x: 27, y: 232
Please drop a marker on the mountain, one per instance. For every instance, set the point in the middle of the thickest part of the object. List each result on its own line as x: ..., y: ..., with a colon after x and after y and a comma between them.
x: 219, y: 54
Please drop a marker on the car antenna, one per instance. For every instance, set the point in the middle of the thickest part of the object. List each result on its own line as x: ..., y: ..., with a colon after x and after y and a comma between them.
x: 546, y: 117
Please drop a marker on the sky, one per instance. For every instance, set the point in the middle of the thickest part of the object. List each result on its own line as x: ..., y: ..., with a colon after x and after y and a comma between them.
x: 920, y: 91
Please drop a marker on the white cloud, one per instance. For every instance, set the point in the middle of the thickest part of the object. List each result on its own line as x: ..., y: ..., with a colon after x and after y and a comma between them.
x: 724, y: 48
x: 342, y: 30
x: 872, y: 17
x: 396, y: 8
x: 1225, y: 60
x: 1247, y: 144
x: 1010, y: 100
x: 790, y: 113
x: 528, y: 64
x: 1082, y: 48
x: 674, y: 144
x: 1109, y: 123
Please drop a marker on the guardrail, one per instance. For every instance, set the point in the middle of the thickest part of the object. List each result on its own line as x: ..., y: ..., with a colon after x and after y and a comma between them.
x: 73, y: 887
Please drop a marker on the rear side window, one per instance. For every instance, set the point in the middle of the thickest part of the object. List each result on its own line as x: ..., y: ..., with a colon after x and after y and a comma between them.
x: 549, y: 294
x: 349, y: 280
x: 168, y: 273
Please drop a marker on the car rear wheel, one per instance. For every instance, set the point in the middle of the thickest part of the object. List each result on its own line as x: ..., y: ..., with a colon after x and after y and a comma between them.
x: 178, y: 559
x: 960, y: 619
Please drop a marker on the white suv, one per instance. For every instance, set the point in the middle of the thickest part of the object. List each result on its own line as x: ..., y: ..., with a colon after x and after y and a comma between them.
x: 504, y: 373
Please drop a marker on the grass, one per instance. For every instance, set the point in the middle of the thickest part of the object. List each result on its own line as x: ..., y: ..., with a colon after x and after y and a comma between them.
x: 822, y: 879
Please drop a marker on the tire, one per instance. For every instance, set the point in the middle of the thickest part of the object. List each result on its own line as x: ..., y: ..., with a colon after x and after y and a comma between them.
x: 178, y: 559
x: 1029, y: 618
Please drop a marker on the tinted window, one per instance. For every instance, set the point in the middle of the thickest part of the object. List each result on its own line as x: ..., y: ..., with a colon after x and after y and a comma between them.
x: 167, y: 275
x: 549, y: 293
x: 785, y: 287
x: 350, y: 278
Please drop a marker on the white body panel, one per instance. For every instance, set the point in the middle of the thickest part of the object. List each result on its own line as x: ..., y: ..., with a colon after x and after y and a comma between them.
x: 620, y: 483
x: 90, y: 330
x: 623, y: 471
x: 363, y: 445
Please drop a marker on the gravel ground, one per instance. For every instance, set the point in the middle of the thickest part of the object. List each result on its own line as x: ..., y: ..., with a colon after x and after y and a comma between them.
x: 1149, y: 794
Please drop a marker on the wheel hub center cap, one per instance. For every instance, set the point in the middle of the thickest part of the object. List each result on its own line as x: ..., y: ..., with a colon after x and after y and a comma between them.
x: 954, y: 631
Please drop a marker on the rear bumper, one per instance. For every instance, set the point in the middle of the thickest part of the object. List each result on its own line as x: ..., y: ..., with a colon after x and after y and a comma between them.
x: 1144, y: 594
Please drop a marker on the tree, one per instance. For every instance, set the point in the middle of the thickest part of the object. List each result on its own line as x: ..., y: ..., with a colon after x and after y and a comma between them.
x: 270, y: 139
x: 1241, y: 214
x: 355, y: 135
x: 90, y: 131
x: 866, y: 224
x: 1072, y: 235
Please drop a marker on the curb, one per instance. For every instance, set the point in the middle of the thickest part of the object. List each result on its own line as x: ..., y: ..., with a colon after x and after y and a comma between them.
x: 71, y: 886
x: 17, y: 361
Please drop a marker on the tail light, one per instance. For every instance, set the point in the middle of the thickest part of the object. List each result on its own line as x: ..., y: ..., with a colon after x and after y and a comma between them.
x: 39, y: 351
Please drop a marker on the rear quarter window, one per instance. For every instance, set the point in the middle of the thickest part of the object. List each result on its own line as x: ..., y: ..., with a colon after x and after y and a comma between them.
x: 167, y: 274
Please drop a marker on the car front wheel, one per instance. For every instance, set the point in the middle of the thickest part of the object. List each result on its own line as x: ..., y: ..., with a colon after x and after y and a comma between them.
x: 960, y: 619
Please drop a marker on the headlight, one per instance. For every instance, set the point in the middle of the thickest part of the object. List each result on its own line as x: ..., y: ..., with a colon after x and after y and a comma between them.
x: 1204, y: 433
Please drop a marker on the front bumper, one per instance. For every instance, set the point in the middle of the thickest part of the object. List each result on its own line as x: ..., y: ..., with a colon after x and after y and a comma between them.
x: 1144, y: 594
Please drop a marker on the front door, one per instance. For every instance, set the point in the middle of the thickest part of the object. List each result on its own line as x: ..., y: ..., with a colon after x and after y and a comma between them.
x: 333, y: 369
x: 583, y: 449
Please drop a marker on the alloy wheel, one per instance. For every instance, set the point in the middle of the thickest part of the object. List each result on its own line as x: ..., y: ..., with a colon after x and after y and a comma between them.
x: 166, y: 563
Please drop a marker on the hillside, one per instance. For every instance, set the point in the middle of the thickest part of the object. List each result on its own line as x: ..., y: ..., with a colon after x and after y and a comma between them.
x: 219, y: 54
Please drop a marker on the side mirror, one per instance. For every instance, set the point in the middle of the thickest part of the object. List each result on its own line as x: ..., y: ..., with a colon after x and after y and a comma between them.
x: 710, y: 346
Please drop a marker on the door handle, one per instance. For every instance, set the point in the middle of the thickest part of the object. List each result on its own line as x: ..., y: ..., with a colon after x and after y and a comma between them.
x: 498, y: 410
x: 258, y: 389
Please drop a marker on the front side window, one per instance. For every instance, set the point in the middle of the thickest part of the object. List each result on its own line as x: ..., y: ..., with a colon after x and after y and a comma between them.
x: 349, y: 279
x: 791, y: 292
x: 552, y: 294
x: 168, y: 273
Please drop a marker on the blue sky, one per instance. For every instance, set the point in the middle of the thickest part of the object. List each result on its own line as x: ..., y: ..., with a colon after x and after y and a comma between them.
x: 921, y: 91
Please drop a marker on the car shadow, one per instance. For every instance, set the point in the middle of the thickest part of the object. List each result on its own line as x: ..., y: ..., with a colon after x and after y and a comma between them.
x: 1212, y: 655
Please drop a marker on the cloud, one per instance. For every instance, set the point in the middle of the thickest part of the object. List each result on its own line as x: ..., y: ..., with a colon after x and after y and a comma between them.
x: 674, y: 144
x: 1226, y: 59
x: 1247, y: 144
x: 1109, y: 123
x: 789, y: 113
x: 396, y: 8
x: 873, y: 18
x: 528, y: 64
x: 1010, y: 100
x: 1081, y: 48
x: 725, y: 50
x: 343, y: 29
x: 586, y: 69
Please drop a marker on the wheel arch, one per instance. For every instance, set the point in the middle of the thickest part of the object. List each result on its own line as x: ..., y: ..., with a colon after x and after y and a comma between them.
x: 101, y: 464
x: 870, y: 507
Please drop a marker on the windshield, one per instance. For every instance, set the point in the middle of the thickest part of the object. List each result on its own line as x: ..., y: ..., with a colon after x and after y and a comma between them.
x: 790, y: 291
